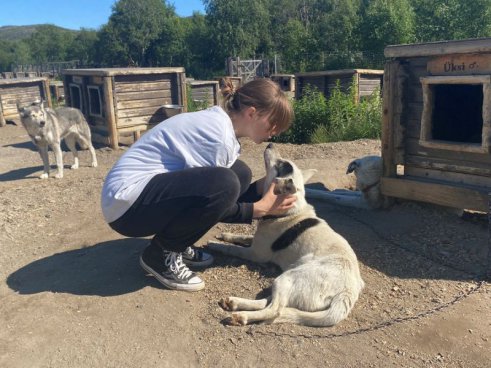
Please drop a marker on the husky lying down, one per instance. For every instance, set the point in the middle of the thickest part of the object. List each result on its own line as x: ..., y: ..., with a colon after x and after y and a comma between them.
x: 47, y: 127
x: 321, y: 280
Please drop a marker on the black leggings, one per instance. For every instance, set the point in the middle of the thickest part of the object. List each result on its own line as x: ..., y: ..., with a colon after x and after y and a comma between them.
x: 180, y: 207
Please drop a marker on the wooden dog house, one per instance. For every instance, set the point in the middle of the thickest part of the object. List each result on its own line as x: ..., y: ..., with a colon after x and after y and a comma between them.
x: 25, y: 91
x: 437, y: 123
x: 285, y: 81
x: 366, y: 81
x: 204, y: 93
x: 236, y: 81
x: 57, y: 90
x: 122, y: 101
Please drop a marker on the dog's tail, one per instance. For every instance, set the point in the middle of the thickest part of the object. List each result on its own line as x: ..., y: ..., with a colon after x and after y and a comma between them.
x: 338, y: 310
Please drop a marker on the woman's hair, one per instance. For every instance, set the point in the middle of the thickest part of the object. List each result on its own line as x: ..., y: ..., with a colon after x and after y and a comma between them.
x: 263, y: 94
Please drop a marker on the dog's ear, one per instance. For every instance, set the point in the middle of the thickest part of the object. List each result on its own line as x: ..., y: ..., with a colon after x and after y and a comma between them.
x: 307, y: 174
x: 352, y: 166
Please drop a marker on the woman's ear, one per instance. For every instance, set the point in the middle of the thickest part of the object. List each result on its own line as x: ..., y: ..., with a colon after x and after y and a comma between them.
x: 250, y: 111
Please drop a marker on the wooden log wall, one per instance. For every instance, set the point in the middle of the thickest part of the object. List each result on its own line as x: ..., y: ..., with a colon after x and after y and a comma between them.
x: 365, y: 83
x: 25, y: 92
x: 205, y: 93
x: 139, y: 99
x: 369, y: 83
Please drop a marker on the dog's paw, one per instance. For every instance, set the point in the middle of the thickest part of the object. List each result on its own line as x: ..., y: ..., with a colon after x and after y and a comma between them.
x: 236, y: 319
x: 227, y: 304
x: 44, y: 176
x: 93, y: 164
x: 59, y: 175
x: 74, y: 166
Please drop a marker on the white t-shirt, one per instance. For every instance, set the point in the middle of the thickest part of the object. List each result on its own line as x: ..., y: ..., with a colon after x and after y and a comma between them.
x: 198, y: 139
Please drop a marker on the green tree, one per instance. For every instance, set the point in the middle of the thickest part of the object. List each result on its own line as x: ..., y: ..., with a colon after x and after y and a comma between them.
x: 7, y: 56
x: 169, y: 48
x: 197, y: 49
x: 335, y: 25
x: 387, y: 22
x: 82, y: 47
x: 133, y: 27
x: 237, y: 28
x: 22, y: 52
x: 452, y: 19
x: 294, y: 43
x: 50, y: 43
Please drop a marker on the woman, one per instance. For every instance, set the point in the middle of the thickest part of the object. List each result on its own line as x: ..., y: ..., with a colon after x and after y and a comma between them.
x: 182, y: 177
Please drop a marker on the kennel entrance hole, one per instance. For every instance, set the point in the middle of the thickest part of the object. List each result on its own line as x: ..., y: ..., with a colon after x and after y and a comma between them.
x: 76, y: 96
x: 457, y: 113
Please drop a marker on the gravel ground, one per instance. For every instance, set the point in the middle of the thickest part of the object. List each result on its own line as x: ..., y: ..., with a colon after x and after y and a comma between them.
x: 73, y: 294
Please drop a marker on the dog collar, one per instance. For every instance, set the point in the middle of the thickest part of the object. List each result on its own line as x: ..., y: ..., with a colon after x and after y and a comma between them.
x: 368, y: 187
x: 270, y: 217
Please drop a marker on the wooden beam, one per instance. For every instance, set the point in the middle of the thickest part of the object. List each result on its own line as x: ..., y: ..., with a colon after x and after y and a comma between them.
x: 457, y: 196
x: 439, y: 48
x: 389, y: 99
x: 110, y: 113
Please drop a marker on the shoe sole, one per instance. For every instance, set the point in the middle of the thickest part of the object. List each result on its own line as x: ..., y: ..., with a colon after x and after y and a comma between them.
x: 198, y: 264
x: 169, y: 285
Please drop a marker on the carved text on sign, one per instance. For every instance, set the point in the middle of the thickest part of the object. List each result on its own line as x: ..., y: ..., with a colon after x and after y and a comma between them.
x: 460, y: 64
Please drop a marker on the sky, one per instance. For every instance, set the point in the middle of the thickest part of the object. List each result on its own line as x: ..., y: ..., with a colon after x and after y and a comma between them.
x: 73, y: 14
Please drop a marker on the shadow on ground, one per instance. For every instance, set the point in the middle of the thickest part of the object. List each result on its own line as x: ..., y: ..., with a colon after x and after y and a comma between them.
x: 105, y: 269
x: 393, y: 241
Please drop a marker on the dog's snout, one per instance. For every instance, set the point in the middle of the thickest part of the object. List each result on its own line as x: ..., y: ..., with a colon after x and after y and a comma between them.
x: 42, y: 123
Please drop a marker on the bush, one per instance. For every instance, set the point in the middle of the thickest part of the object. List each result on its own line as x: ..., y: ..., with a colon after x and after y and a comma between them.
x: 195, y: 105
x: 338, y: 118
x: 310, y: 113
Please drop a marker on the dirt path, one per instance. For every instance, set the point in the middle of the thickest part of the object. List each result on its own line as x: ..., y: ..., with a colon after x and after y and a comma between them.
x: 73, y: 295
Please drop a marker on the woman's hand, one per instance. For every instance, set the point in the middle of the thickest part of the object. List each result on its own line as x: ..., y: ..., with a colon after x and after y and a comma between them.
x: 272, y: 204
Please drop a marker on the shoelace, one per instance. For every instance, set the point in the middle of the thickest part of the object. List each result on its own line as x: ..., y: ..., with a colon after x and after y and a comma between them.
x: 189, y: 252
x: 174, y: 262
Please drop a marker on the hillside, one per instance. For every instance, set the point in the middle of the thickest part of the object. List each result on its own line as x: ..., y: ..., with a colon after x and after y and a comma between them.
x: 16, y: 33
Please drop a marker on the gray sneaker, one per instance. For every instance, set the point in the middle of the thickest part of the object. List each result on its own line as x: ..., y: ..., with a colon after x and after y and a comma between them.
x: 170, y: 270
x: 195, y: 257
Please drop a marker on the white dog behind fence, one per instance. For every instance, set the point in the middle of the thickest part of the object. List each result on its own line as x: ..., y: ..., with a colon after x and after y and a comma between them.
x: 368, y: 171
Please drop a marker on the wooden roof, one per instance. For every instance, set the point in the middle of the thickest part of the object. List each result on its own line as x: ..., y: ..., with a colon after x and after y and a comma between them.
x: 439, y: 48
x: 21, y: 80
x: 107, y: 72
x: 341, y: 72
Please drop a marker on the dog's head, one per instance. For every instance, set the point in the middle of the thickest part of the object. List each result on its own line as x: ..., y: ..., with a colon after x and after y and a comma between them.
x: 288, y: 178
x: 33, y: 115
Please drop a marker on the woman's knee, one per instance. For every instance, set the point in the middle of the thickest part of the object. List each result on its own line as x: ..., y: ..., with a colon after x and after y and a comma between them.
x: 244, y: 174
x: 227, y: 184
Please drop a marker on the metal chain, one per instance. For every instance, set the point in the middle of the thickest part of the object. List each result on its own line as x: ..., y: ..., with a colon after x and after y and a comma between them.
x: 478, y: 285
x: 251, y: 331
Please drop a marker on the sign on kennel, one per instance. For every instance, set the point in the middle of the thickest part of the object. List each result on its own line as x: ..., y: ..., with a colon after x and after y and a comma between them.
x: 436, y: 136
x: 125, y: 101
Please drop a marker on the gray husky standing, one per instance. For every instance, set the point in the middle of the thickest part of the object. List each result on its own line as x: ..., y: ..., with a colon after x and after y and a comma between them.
x: 47, y: 127
x: 321, y: 279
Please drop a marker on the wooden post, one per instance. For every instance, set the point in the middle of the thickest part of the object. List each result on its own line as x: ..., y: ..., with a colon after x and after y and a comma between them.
x: 488, y: 272
x: 3, y: 122
x: 110, y: 113
x: 47, y: 92
x: 389, y: 94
